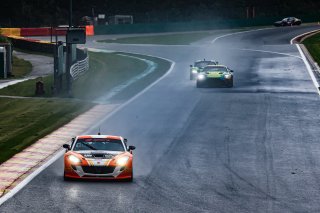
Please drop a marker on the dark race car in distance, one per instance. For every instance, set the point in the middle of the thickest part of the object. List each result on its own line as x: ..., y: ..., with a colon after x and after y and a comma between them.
x: 198, y: 66
x: 215, y: 75
x: 289, y: 21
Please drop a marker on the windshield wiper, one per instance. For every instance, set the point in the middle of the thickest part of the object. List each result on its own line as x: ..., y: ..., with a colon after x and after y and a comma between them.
x: 87, y: 145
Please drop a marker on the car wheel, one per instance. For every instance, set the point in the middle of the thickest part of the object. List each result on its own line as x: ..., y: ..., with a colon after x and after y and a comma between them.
x: 131, y: 178
x: 191, y: 76
x: 198, y: 85
x: 230, y: 84
x: 66, y: 178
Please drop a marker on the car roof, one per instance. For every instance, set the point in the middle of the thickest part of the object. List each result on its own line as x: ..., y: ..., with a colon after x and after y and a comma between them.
x: 100, y: 136
x: 218, y: 65
x: 205, y: 61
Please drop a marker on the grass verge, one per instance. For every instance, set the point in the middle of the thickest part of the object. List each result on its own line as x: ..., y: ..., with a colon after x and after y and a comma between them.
x: 313, y: 45
x: 20, y: 67
x: 107, y: 70
x: 24, y: 121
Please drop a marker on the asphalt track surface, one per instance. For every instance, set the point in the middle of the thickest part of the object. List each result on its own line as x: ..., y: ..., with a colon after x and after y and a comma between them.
x: 252, y: 148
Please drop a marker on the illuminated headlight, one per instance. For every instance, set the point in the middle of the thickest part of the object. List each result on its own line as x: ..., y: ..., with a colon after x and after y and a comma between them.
x: 201, y: 76
x: 194, y: 71
x: 74, y: 159
x: 227, y: 76
x: 122, y: 161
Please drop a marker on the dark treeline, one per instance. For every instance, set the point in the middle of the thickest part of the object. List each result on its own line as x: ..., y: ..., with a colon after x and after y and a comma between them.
x: 34, y: 13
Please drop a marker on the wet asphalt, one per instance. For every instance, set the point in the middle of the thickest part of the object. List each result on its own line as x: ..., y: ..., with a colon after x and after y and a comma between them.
x: 251, y: 148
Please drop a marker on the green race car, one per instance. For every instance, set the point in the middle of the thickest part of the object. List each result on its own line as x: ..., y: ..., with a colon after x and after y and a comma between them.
x: 198, y: 66
x: 215, y: 75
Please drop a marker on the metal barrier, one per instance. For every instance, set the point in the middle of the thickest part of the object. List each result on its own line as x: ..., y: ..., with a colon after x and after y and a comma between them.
x: 79, y: 68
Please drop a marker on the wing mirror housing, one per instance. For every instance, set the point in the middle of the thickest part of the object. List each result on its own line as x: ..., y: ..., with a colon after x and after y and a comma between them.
x: 191, y: 65
x: 66, y: 146
x: 131, y: 148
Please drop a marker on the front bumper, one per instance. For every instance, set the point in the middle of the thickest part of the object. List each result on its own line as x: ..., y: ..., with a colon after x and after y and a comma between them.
x: 215, y: 82
x: 98, y: 172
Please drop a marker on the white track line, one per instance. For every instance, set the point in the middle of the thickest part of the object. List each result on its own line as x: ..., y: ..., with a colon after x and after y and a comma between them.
x: 313, y: 31
x: 266, y: 51
x: 23, y: 183
x: 310, y: 71
x: 16, y: 189
x: 151, y: 67
x: 136, y: 96
x: 236, y: 33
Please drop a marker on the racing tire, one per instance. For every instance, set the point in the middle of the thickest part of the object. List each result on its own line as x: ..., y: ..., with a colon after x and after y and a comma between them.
x: 191, y: 76
x: 230, y: 84
x: 65, y: 178
x: 199, y: 85
x: 131, y: 178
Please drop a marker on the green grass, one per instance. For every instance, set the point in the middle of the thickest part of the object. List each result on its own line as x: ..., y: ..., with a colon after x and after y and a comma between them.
x: 313, y: 45
x: 20, y: 67
x: 27, y: 88
x: 23, y: 121
x: 107, y: 70
x: 162, y: 67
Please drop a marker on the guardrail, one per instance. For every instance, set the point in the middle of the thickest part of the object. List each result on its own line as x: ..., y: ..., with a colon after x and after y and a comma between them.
x: 79, y: 68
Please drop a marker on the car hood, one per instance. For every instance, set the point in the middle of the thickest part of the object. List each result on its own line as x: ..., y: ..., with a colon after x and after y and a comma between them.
x: 215, y: 74
x: 100, y: 152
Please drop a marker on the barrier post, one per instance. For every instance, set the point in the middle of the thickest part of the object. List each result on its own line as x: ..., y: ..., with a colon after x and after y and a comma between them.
x: 68, y: 69
x: 3, y: 68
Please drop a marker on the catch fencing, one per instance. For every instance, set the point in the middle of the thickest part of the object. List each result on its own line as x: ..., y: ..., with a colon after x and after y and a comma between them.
x: 80, y: 68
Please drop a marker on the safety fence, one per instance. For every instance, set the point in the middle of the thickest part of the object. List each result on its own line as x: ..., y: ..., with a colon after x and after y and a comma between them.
x: 79, y: 68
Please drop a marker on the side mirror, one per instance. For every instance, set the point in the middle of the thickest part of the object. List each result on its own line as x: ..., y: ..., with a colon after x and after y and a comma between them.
x: 66, y: 146
x: 131, y: 148
x: 73, y: 139
x: 217, y: 62
x: 190, y: 65
x: 125, y: 140
x: 231, y: 70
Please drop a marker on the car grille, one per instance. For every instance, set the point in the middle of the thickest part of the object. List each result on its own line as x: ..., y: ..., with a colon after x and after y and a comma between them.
x: 99, y: 155
x: 98, y: 169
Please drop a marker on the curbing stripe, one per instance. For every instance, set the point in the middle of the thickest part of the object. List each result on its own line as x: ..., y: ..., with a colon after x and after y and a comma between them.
x: 293, y: 41
x: 310, y: 71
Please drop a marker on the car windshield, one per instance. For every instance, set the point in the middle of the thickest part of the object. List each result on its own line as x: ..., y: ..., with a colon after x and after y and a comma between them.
x: 215, y: 69
x: 98, y: 144
x: 202, y: 64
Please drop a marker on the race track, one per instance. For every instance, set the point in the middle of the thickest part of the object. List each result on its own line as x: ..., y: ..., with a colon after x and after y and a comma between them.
x: 251, y: 148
